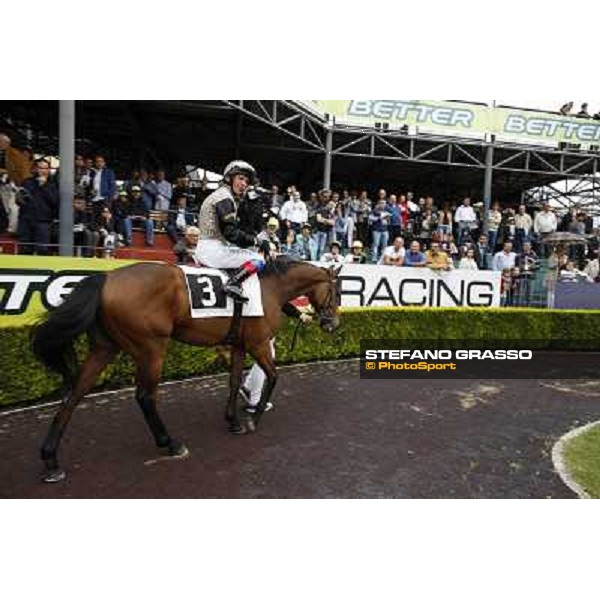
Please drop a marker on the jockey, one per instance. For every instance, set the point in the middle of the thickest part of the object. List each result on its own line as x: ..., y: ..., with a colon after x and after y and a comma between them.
x: 222, y: 244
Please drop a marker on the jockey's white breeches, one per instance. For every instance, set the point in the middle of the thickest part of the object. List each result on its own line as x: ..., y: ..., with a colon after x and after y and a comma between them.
x: 219, y: 255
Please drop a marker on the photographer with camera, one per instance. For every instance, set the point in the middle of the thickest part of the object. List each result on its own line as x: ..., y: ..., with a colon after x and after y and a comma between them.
x: 38, y: 201
x: 85, y: 236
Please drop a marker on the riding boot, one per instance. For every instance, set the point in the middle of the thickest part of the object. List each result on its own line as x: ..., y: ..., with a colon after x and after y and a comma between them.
x: 233, y: 287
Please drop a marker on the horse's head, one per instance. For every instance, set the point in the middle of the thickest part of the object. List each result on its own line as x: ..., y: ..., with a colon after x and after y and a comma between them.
x: 324, y: 298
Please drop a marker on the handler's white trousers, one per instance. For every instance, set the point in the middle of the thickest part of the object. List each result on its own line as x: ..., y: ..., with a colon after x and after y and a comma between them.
x: 256, y: 379
x: 220, y: 255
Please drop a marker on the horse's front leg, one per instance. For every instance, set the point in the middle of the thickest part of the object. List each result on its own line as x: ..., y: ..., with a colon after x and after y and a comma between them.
x: 232, y: 414
x: 266, y: 361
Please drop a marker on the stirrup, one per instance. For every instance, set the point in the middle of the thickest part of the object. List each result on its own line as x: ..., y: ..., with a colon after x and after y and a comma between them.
x: 235, y: 291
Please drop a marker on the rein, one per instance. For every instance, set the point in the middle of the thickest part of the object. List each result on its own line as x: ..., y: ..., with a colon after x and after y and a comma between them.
x: 325, y: 315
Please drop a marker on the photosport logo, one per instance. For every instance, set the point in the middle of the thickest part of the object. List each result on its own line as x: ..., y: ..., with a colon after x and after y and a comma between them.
x: 473, y: 359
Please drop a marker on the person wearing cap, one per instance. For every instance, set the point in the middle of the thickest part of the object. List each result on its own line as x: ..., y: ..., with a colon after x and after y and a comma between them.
x: 334, y: 256
x: 222, y: 243
x: 324, y: 222
x: 356, y: 256
x: 134, y: 209
x: 306, y: 243
x: 269, y: 233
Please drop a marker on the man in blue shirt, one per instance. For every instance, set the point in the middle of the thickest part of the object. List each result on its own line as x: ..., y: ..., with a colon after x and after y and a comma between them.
x: 380, y: 219
x: 414, y: 257
x: 103, y: 187
x: 396, y: 219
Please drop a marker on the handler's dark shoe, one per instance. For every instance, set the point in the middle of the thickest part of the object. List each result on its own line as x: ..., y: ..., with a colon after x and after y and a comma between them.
x: 251, y: 408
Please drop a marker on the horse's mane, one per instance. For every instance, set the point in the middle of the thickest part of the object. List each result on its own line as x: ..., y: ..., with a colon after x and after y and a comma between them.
x: 280, y: 266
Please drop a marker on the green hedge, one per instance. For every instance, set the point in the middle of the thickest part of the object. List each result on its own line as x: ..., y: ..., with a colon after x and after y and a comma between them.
x: 22, y: 378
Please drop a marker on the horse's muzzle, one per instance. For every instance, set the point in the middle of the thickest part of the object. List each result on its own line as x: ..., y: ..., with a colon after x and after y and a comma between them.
x: 329, y: 325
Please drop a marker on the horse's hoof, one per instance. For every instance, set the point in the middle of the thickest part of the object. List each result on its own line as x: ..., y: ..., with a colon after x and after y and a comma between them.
x: 251, y: 425
x: 54, y: 476
x: 179, y: 450
x: 237, y: 429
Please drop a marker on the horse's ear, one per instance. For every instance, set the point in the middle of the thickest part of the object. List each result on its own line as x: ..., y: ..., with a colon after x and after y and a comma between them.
x: 336, y: 270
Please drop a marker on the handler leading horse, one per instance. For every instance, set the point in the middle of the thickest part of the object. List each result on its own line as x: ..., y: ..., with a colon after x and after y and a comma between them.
x: 137, y: 309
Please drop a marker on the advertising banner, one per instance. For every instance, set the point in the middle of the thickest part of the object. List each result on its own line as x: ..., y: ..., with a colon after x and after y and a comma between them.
x: 377, y: 285
x: 542, y: 128
x: 577, y: 295
x: 466, y: 119
x: 31, y: 284
x: 452, y: 118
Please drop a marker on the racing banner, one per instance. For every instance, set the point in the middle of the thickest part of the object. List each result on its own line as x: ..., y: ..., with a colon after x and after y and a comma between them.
x: 378, y: 285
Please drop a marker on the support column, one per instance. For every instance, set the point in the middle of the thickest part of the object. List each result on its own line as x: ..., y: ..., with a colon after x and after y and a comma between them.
x: 487, y: 186
x: 238, y: 135
x: 66, y: 134
x: 328, y: 158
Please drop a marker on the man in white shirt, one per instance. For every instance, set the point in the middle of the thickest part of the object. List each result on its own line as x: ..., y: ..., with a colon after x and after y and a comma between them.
x: 466, y: 219
x: 394, y: 255
x: 545, y: 221
x: 294, y: 212
x: 523, y: 225
x: 505, y: 259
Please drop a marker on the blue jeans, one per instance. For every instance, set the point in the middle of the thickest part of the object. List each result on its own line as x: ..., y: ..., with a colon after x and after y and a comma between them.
x: 323, y: 238
x: 128, y: 230
x: 33, y: 235
x: 380, y: 241
x: 521, y: 237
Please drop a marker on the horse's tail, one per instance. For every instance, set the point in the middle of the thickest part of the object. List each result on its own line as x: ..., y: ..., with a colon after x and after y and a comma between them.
x: 53, y: 338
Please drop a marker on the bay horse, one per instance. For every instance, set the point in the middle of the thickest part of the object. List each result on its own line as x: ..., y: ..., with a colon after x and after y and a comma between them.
x: 137, y: 309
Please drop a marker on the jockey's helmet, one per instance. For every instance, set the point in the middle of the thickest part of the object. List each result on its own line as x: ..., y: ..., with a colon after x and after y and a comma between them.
x: 239, y: 167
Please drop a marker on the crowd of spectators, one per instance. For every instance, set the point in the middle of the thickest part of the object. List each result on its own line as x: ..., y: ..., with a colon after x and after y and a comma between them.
x: 568, y: 107
x: 330, y: 226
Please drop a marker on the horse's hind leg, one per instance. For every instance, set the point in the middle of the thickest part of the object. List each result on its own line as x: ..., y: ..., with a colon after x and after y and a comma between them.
x: 100, y: 356
x: 235, y: 379
x: 149, y: 370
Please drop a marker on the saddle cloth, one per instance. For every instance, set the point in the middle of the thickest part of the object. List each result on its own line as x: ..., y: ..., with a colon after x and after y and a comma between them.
x: 208, y: 300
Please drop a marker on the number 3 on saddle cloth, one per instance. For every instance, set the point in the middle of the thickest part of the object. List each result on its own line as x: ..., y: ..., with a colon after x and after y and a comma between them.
x: 208, y: 300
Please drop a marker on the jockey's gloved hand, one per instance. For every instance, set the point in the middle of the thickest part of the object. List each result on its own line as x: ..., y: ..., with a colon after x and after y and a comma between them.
x: 265, y: 248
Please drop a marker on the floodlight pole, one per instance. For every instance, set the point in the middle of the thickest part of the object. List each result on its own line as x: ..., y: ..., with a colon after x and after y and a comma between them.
x: 487, y: 185
x: 328, y: 158
x: 66, y: 145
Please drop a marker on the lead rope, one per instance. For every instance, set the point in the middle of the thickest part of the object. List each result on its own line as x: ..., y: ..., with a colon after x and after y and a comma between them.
x: 293, y: 344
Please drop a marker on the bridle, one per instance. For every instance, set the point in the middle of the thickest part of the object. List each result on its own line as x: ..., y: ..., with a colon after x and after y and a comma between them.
x: 326, y: 313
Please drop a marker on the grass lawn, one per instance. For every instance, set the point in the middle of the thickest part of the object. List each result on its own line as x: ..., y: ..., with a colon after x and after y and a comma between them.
x: 582, y: 456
